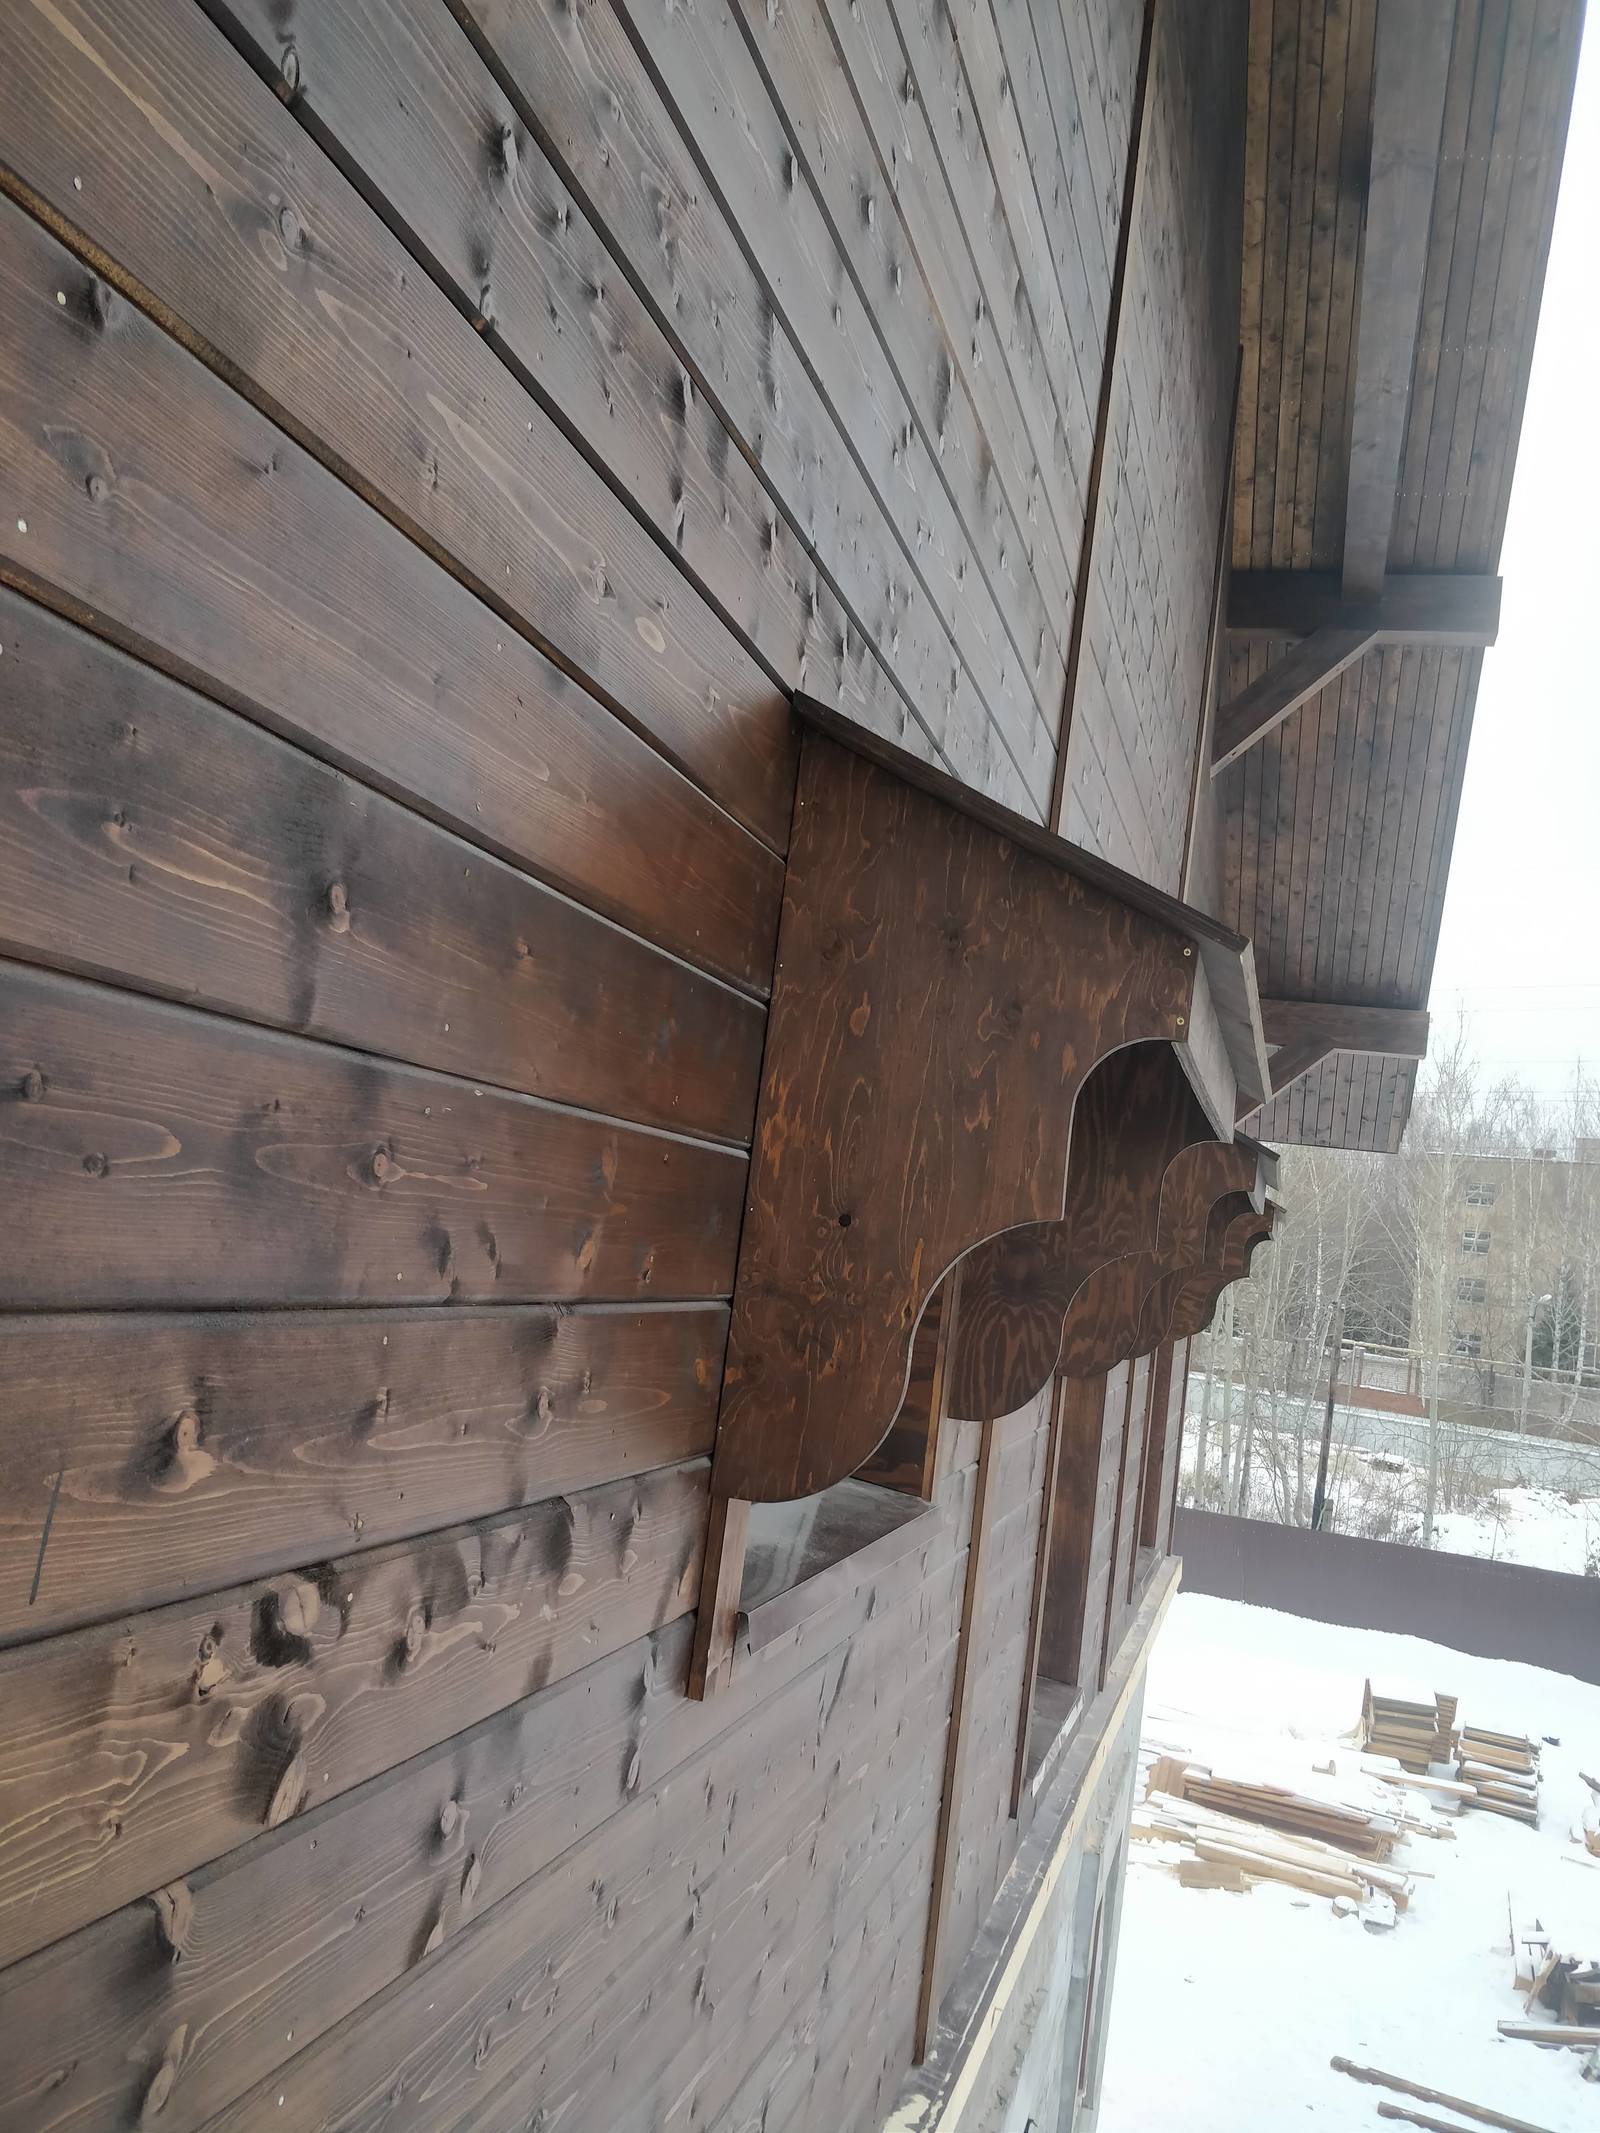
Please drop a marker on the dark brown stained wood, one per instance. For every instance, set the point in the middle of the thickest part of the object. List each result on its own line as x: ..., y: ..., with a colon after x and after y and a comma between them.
x: 163, y: 507
x: 1042, y: 1559
x: 631, y: 1942
x: 298, y: 1928
x: 502, y: 232
x: 1414, y: 607
x: 579, y: 85
x: 136, y: 1752
x: 815, y: 99
x: 936, y: 1952
x: 1022, y: 1289
x: 917, y: 954
x: 919, y: 54
x: 1261, y: 708
x: 1125, y: 1514
x: 174, y: 1159
x: 1127, y: 224
x: 1089, y: 1409
x: 171, y: 1455
x: 1345, y: 1026
x: 1166, y: 1415
x: 150, y: 837
x: 911, y: 1456
x: 1410, y: 66
x: 1199, y: 1297
x: 708, y: 78
x: 136, y: 123
x: 1020, y: 422
x: 1173, y: 1460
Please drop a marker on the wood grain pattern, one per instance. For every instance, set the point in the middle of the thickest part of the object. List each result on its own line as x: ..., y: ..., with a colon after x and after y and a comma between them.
x: 1243, y: 1231
x: 171, y: 1455
x: 137, y: 121
x: 917, y: 954
x: 137, y: 1752
x: 150, y: 837
x: 173, y: 1159
x: 1030, y: 1290
x: 165, y: 508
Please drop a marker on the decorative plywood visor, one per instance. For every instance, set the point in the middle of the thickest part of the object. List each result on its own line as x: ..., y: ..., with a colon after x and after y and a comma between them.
x: 950, y: 980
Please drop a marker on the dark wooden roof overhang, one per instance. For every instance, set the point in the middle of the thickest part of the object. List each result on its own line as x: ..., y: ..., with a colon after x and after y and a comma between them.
x: 1401, y: 169
x: 951, y: 982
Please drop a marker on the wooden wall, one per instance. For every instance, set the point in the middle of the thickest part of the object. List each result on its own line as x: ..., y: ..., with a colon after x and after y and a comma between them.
x: 436, y: 441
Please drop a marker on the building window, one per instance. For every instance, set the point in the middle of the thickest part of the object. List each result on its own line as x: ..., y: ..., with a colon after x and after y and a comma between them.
x: 1472, y: 1289
x: 1480, y: 1195
x: 1475, y: 1240
x: 1467, y: 1344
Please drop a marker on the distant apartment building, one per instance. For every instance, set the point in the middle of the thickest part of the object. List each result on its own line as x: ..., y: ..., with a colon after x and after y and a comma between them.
x: 1526, y: 1231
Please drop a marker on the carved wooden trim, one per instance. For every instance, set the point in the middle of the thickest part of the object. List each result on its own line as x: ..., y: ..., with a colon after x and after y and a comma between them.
x: 1244, y: 1233
x: 941, y: 997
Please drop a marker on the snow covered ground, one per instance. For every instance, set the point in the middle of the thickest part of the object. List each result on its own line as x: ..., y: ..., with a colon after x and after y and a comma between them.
x: 1528, y: 1526
x: 1227, y: 2007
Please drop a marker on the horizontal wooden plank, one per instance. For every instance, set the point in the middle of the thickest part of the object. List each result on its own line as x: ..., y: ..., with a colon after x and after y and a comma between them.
x: 1345, y: 1026
x: 577, y: 81
x: 136, y: 1752
x: 1262, y: 706
x: 296, y: 1929
x: 710, y: 1879
x: 149, y: 1456
x: 149, y: 836
x: 151, y: 500
x: 150, y: 1155
x: 127, y: 117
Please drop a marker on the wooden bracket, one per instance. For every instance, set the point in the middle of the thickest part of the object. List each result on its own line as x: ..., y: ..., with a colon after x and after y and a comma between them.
x: 1243, y: 1233
x: 1134, y: 1117
x: 948, y: 978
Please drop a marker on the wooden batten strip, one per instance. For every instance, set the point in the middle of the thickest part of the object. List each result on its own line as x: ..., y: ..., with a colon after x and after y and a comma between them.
x: 136, y: 1752
x: 185, y: 526
x: 175, y: 1160
x: 1132, y: 182
x: 171, y: 1455
x: 122, y: 118
x: 151, y: 838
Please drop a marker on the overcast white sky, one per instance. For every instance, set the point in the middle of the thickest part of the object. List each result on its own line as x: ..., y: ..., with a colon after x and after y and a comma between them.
x: 1520, y: 946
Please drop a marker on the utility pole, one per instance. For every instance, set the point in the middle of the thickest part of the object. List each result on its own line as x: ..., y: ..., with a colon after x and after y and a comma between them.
x: 1319, y: 1500
x: 1527, y: 1363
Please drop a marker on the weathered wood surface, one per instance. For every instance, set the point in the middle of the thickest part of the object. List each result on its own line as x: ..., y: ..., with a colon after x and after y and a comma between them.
x: 150, y: 837
x: 1029, y: 1290
x: 1416, y: 607
x: 173, y: 1159
x: 149, y: 1456
x: 919, y: 956
x: 141, y: 1750
x: 190, y: 528
x: 1093, y: 1415
x: 136, y: 121
x: 1243, y: 1231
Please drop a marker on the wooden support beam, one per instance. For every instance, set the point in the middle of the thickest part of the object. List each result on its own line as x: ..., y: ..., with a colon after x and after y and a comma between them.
x: 1303, y: 1033
x: 1341, y: 1026
x: 1262, y: 707
x: 1410, y: 64
x: 1132, y: 185
x: 1221, y: 599
x: 1413, y: 608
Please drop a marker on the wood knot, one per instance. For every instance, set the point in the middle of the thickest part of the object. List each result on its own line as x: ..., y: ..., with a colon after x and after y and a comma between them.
x: 32, y: 1086
x: 96, y: 1165
x: 381, y: 1166
x: 97, y: 488
x: 449, y: 1815
x: 289, y: 229
x: 288, y: 1793
x: 289, y: 70
x: 505, y: 149
x: 165, y: 2078
x: 174, y: 1908
x: 470, y: 1881
x: 338, y: 907
x: 103, y: 304
x: 416, y: 1633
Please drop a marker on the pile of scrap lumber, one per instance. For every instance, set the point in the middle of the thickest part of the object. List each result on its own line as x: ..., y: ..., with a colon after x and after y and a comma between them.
x: 1480, y: 2114
x: 1414, y: 1734
x: 1240, y: 1832
x: 1561, y: 1990
x: 1503, y: 1771
x: 1366, y: 1832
